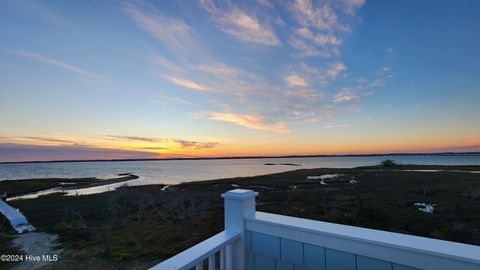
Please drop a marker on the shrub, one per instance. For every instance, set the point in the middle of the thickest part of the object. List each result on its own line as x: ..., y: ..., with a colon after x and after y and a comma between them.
x: 388, y: 163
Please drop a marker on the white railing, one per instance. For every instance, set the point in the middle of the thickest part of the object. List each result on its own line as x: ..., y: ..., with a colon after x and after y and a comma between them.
x: 402, y: 249
x: 204, y: 251
x: 242, y: 221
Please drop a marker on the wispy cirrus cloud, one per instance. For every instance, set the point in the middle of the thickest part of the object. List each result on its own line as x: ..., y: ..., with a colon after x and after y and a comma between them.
x: 62, y: 65
x: 167, y: 141
x: 252, y: 99
x: 319, y: 76
x: 319, y: 39
x: 221, y: 70
x: 115, y: 142
x: 170, y: 100
x: 197, y: 145
x: 155, y: 148
x: 48, y: 139
x: 174, y: 33
x: 320, y: 26
x: 319, y: 101
x: 320, y: 15
x: 241, y: 24
x: 335, y: 70
x: 336, y: 126
x: 295, y: 80
x: 346, y: 95
x: 138, y: 138
x: 351, y: 6
x: 44, y: 140
x: 249, y: 121
x: 186, y: 83
x: 378, y: 79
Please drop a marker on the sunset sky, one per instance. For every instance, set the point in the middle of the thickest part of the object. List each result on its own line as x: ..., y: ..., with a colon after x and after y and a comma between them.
x: 155, y: 79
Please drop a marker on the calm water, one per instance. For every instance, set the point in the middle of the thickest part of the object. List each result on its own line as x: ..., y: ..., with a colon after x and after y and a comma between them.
x: 177, y: 171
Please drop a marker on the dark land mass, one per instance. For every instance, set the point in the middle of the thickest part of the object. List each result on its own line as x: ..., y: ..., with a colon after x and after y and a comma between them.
x: 250, y: 157
x: 283, y: 164
x: 133, y: 227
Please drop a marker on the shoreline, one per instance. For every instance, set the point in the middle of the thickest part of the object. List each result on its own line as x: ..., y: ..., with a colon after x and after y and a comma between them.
x: 247, y: 157
x: 30, y: 187
x: 63, y: 185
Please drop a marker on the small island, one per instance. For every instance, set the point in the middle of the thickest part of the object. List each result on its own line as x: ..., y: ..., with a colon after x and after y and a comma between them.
x: 283, y: 164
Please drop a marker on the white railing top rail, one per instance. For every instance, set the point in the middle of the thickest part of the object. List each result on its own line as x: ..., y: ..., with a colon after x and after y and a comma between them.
x: 198, y: 253
x: 400, y: 248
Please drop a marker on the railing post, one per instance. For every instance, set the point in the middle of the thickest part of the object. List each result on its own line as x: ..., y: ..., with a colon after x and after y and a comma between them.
x: 239, y: 203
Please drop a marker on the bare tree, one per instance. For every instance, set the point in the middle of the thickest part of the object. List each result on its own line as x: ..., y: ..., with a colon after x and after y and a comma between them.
x: 175, y: 209
x: 114, y: 209
x: 75, y: 220
x: 141, y: 206
x: 103, y: 235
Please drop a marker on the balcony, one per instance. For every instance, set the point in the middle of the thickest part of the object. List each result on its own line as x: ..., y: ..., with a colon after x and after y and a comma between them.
x: 262, y: 241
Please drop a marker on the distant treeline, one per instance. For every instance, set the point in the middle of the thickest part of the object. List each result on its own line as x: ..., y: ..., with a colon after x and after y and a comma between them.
x: 250, y: 157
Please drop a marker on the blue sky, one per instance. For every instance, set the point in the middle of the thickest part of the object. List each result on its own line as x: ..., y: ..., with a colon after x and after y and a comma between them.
x: 221, y: 78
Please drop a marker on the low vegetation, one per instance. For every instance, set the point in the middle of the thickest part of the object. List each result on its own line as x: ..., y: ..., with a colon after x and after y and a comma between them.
x: 388, y: 163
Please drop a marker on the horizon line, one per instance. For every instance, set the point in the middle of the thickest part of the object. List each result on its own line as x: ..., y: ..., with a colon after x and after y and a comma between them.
x: 243, y: 157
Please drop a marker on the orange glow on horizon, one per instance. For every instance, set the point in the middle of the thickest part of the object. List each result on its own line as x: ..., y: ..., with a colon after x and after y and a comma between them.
x: 174, y: 148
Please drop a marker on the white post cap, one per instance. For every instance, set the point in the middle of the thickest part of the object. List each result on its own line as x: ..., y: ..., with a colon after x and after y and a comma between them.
x: 239, y: 194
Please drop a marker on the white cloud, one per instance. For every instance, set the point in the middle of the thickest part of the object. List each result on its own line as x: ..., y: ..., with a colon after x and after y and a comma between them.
x: 295, y: 80
x: 248, y: 28
x: 320, y: 16
x: 170, y: 100
x: 326, y: 39
x: 304, y: 32
x: 346, y: 95
x: 187, y: 83
x: 351, y: 6
x: 335, y: 126
x: 174, y: 33
x: 221, y: 70
x: 304, y: 95
x: 242, y: 25
x: 315, y: 44
x: 320, y: 25
x: 59, y: 64
x: 249, y: 121
x: 321, y: 39
x: 335, y: 70
x: 247, y: 96
x: 306, y: 50
x: 321, y: 76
